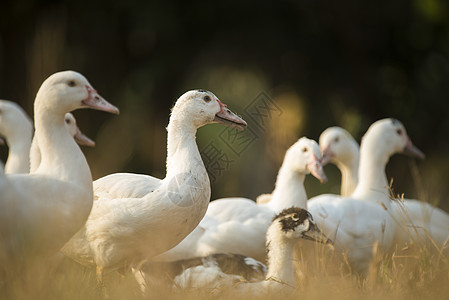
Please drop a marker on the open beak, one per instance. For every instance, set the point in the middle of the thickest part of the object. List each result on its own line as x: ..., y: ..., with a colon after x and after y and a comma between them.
x: 82, y: 139
x: 327, y: 155
x: 228, y: 118
x: 95, y: 101
x: 315, y: 234
x: 316, y: 169
x: 412, y: 151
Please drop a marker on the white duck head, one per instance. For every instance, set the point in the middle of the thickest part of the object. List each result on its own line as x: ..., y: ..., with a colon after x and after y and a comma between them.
x: 304, y: 156
x: 65, y: 91
x: 202, y: 107
x: 338, y: 146
x: 72, y: 127
x: 389, y: 137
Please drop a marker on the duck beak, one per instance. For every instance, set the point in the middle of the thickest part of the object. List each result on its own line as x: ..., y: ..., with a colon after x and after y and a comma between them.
x: 228, y: 118
x: 316, y: 169
x: 95, y: 101
x: 412, y: 151
x: 315, y: 234
x: 82, y: 139
x: 326, y: 155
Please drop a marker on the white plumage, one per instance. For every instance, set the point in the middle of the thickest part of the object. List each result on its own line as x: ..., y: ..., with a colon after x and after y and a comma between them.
x: 42, y: 210
x: 239, y: 225
x: 138, y: 216
x: 74, y: 131
x: 17, y: 129
x: 211, y: 272
x: 340, y: 148
x: 357, y: 222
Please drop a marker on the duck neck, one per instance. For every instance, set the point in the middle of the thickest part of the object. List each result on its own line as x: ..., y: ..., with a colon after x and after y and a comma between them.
x: 185, y: 168
x: 19, y: 153
x: 289, y: 189
x: 60, y: 155
x: 183, y: 155
x: 349, y: 169
x: 35, y: 156
x: 372, y: 185
x: 280, y: 258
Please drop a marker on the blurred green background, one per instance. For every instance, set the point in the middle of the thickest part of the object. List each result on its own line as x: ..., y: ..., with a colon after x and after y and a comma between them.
x: 323, y: 63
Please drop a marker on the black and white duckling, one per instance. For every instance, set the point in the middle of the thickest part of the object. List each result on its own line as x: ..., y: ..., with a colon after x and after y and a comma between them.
x: 244, y: 274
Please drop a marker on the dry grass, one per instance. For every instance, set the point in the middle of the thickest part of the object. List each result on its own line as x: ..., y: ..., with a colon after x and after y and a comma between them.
x: 416, y: 271
x: 419, y: 273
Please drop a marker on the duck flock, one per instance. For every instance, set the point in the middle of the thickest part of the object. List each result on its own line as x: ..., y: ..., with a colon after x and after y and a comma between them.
x: 166, y: 231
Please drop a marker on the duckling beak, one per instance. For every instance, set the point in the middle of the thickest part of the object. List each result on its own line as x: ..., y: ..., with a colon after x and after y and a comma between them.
x: 228, y: 118
x: 315, y: 234
x: 82, y: 139
x: 412, y: 151
x: 316, y: 169
x: 95, y: 101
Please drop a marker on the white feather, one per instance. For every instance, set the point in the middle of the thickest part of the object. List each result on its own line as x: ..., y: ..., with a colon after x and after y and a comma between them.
x: 138, y: 216
x: 239, y: 225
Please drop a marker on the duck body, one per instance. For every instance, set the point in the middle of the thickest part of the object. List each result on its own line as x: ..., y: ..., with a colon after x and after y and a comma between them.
x: 45, y: 223
x: 138, y: 216
x: 421, y: 222
x: 418, y: 220
x: 227, y: 230
x: 365, y: 218
x: 354, y: 226
x: 239, y: 225
x: 113, y: 223
x: 47, y: 207
x: 210, y: 272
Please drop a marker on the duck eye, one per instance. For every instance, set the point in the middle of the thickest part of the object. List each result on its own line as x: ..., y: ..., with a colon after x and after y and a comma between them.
x: 67, y: 121
x: 295, y: 217
x: 71, y: 83
x: 399, y: 131
x: 305, y: 149
x: 337, y: 139
x: 207, y: 98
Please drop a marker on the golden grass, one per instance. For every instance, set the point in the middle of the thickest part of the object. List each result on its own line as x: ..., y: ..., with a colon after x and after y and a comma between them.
x: 417, y: 271
x: 417, y: 274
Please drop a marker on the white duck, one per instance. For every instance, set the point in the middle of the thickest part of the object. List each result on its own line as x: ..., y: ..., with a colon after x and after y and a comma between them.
x: 138, y: 216
x: 74, y: 131
x: 43, y: 210
x: 356, y: 223
x: 242, y: 273
x: 17, y: 130
x: 239, y: 225
x: 340, y: 148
